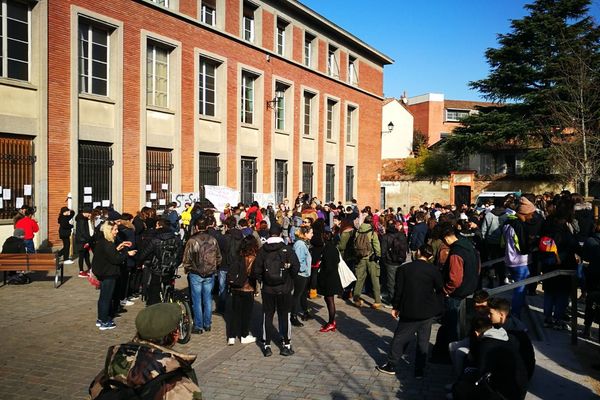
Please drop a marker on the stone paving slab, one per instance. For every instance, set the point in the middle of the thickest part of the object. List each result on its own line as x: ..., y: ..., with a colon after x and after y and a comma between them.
x: 51, y: 349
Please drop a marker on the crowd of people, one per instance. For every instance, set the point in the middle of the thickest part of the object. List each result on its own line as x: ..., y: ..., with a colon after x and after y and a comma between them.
x: 424, y: 264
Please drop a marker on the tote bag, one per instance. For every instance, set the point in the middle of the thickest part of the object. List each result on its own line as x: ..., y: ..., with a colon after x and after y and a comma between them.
x: 346, y: 275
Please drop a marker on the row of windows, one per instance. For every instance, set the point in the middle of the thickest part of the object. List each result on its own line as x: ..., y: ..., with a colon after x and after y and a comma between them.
x: 95, y: 163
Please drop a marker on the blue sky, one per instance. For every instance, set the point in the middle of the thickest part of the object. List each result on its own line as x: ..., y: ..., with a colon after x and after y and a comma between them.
x: 437, y: 45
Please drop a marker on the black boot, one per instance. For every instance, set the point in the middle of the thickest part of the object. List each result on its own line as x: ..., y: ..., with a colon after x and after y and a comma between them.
x: 295, y: 321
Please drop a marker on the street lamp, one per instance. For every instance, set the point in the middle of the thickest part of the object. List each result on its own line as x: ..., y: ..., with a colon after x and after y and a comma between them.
x: 278, y: 97
x: 390, y: 128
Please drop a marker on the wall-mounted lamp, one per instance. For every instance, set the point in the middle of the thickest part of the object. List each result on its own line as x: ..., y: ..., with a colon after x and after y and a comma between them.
x: 278, y: 97
x: 390, y: 128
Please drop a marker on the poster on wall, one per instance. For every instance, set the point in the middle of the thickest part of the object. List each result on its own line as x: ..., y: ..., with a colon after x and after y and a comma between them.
x: 6, y: 194
x: 264, y: 199
x: 26, y: 190
x: 87, y: 190
x: 221, y: 195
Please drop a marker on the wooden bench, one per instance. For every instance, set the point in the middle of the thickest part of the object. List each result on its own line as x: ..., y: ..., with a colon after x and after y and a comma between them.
x: 33, y: 262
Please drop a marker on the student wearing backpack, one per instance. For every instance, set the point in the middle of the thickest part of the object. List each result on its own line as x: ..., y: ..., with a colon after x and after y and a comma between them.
x: 243, y: 286
x: 276, y: 267
x: 164, y: 251
x: 147, y: 367
x: 368, y: 252
x: 231, y: 240
x: 393, y: 250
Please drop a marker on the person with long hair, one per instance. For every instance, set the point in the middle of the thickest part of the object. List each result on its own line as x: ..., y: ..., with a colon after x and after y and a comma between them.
x: 328, y: 281
x: 242, y: 298
x: 107, y: 263
x: 301, y: 247
x: 64, y: 232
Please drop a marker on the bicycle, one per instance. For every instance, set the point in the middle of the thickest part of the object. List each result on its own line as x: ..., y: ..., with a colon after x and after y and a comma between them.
x: 169, y: 295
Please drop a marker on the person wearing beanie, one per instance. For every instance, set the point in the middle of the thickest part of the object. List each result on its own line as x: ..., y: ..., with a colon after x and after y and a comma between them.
x: 517, y: 246
x: 147, y: 366
x: 276, y: 266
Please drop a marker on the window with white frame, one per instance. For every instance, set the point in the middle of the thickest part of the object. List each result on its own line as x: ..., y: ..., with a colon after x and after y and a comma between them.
x: 350, y: 123
x: 308, y: 49
x: 208, y: 12
x: 281, y: 36
x: 94, y: 43
x: 247, y: 98
x: 332, y: 63
x: 280, y: 108
x: 207, y: 86
x: 164, y: 3
x: 15, y: 32
x: 157, y: 75
x: 352, y: 70
x: 349, y: 183
x: 331, y: 105
x: 308, y: 106
x: 281, y: 182
x: 456, y: 115
x: 248, y: 20
x: 329, y: 182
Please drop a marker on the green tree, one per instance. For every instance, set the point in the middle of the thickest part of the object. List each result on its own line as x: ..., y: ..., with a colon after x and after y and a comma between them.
x: 544, y: 104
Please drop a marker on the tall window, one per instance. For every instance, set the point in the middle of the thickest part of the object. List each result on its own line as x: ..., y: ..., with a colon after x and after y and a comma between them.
x: 329, y: 182
x: 350, y: 124
x: 330, y: 118
x: 17, y: 161
x: 332, y: 64
x: 157, y: 75
x: 352, y: 71
x: 308, y: 104
x: 308, y: 49
x: 248, y: 21
x: 207, y: 86
x: 95, y: 173
x: 15, y: 18
x: 208, y: 173
x: 307, y: 178
x: 280, y: 91
x: 159, y: 169
x: 93, y: 59
x: 208, y: 12
x: 281, y: 27
x: 247, y: 98
x: 349, y: 183
x: 281, y: 171
x: 164, y: 3
x: 248, y: 179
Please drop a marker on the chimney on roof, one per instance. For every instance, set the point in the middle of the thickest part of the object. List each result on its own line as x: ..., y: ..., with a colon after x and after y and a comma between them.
x: 403, y: 98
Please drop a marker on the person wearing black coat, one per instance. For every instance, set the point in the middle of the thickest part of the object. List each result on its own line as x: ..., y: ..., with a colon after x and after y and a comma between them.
x: 417, y: 301
x: 394, y: 247
x: 328, y: 279
x: 64, y: 232
x: 107, y: 264
x: 84, y: 233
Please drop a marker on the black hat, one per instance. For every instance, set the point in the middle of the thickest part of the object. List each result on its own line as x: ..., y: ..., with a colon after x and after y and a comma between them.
x: 275, y: 229
x: 113, y: 215
x: 157, y: 320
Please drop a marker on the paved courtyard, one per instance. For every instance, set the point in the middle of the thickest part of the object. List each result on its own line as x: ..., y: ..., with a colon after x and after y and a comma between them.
x: 51, y: 349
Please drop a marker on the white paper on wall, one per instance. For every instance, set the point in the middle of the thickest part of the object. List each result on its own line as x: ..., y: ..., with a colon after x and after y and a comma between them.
x: 87, y: 190
x: 19, y: 202
x: 164, y: 186
x: 153, y: 196
x: 87, y: 199
x: 148, y: 188
x: 162, y: 202
x: 1, y: 204
x: 149, y: 204
x: 27, y: 190
x: 105, y: 203
x: 6, y: 194
x: 96, y: 204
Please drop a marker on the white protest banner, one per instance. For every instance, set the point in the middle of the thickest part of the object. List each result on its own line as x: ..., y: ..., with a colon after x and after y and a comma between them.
x: 221, y: 195
x: 264, y: 199
x: 182, y: 198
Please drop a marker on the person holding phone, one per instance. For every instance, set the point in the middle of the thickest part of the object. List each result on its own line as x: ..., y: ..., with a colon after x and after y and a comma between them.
x: 107, y: 264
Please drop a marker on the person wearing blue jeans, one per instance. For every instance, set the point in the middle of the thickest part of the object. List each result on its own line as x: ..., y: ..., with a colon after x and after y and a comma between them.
x: 107, y: 288
x: 518, y: 300
x: 201, y: 290
x: 222, y: 295
x: 201, y: 259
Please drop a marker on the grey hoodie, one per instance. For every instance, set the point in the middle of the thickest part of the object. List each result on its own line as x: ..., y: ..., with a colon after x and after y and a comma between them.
x: 496, y: 333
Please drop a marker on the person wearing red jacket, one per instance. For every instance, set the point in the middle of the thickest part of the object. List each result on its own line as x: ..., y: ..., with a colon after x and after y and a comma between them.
x: 30, y: 227
x: 253, y: 214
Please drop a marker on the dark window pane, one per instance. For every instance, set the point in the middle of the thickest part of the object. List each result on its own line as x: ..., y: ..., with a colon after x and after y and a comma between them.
x: 99, y: 36
x: 210, y: 109
x: 99, y: 70
x: 17, y: 30
x: 99, y: 86
x: 18, y: 50
x: 99, y: 53
x: 17, y: 10
x: 18, y: 70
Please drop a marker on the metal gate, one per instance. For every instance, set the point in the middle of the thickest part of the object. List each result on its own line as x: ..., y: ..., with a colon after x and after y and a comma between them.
x: 208, y: 174
x: 95, y: 174
x: 159, y: 169
x: 16, y: 170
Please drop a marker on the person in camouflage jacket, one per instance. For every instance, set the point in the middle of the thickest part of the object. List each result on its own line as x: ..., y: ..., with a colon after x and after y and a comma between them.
x: 146, y: 367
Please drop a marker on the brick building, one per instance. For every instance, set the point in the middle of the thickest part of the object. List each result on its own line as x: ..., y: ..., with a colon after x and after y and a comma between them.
x: 106, y: 100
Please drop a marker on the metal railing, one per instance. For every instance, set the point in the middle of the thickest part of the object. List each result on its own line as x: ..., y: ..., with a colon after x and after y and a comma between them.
x: 539, y: 278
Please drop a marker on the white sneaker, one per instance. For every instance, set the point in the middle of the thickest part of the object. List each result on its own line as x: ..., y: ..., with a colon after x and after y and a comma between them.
x: 248, y: 339
x: 68, y: 262
x: 231, y: 341
x: 127, y: 303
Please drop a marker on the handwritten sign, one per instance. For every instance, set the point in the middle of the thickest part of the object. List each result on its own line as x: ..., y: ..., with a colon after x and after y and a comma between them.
x: 264, y: 199
x: 221, y: 195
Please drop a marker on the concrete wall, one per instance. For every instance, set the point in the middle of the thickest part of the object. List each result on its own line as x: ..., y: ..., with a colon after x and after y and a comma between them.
x: 398, y: 143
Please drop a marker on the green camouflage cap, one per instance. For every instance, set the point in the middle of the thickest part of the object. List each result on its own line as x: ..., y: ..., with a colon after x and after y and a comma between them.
x: 157, y: 320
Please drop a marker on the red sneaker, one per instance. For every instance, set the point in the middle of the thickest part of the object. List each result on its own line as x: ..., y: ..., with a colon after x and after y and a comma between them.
x: 83, y: 274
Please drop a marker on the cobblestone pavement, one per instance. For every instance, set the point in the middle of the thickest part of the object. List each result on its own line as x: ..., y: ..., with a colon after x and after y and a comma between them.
x: 51, y: 349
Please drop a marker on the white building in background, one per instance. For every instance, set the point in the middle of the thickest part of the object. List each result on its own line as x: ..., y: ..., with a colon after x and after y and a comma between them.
x: 397, y: 142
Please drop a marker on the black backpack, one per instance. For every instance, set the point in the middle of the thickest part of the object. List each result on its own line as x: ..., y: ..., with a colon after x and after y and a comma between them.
x: 396, y: 252
x: 276, y: 265
x: 237, y: 274
x: 146, y: 391
x: 167, y: 259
